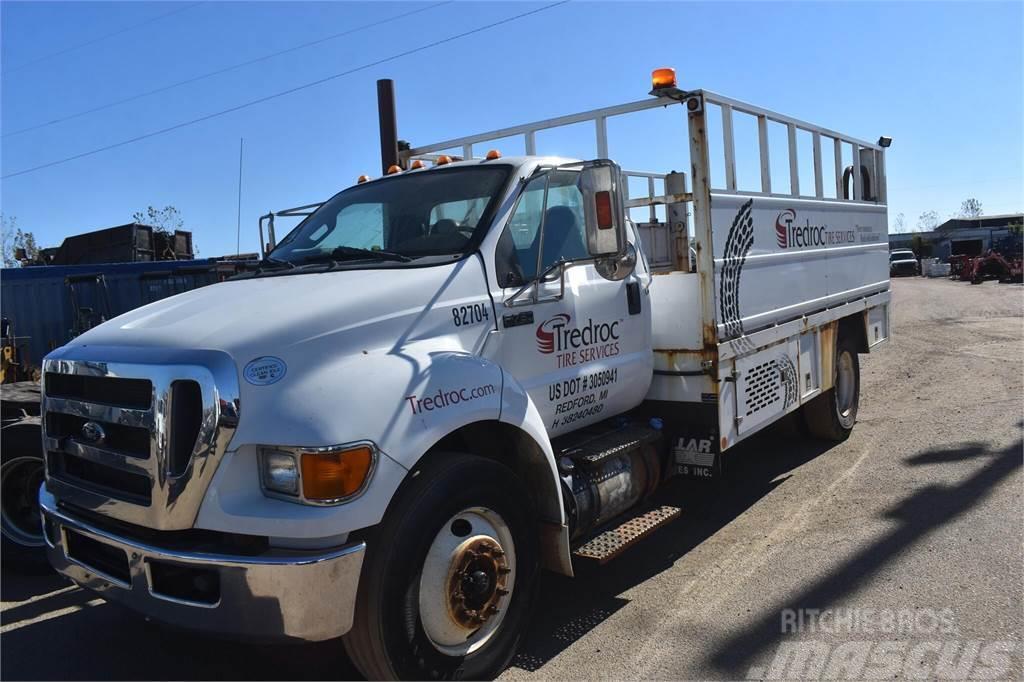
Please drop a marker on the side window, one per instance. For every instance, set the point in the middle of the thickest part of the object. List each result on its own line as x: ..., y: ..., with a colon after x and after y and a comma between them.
x: 564, y: 237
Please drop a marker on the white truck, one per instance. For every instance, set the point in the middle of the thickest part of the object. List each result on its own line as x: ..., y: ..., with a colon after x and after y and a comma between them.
x: 451, y: 377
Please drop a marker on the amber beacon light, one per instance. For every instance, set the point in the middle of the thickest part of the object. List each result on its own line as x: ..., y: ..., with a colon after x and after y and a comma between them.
x: 663, y: 78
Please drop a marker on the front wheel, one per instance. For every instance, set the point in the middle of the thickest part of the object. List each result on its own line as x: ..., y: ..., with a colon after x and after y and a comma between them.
x: 449, y: 575
x: 21, y: 474
x: 831, y: 416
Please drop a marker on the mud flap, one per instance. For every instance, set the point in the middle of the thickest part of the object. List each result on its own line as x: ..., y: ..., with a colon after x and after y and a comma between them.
x: 697, y: 457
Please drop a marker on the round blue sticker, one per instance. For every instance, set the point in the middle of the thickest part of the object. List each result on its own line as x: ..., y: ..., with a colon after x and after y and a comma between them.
x: 265, y: 371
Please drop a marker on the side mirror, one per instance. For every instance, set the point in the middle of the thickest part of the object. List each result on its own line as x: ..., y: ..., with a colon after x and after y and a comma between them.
x: 619, y: 267
x: 603, y: 208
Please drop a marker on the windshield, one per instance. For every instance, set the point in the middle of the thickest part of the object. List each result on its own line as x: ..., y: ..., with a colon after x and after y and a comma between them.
x: 902, y: 255
x: 439, y: 212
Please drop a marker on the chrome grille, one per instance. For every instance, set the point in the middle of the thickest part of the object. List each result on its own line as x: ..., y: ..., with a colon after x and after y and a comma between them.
x: 110, y: 450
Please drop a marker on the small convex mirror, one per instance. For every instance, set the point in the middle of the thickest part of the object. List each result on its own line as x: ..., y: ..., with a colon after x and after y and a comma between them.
x: 600, y: 185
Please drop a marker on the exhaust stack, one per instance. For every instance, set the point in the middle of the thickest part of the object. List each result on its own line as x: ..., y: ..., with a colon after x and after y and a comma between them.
x: 388, y: 124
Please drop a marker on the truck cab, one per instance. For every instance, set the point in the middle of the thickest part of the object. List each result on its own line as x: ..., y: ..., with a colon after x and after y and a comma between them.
x: 903, y: 262
x: 447, y: 379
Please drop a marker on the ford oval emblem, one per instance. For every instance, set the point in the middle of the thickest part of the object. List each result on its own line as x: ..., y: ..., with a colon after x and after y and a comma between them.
x: 93, y: 432
x: 265, y: 371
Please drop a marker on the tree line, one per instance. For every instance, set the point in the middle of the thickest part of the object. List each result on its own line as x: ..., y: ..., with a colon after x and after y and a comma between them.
x: 19, y: 245
x: 929, y: 220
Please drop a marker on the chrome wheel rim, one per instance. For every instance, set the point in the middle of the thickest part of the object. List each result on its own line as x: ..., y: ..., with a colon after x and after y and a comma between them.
x: 20, y: 478
x: 467, y: 581
x: 846, y: 381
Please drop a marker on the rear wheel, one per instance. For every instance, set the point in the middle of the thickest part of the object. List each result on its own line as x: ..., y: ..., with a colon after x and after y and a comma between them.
x: 831, y: 416
x: 449, y: 575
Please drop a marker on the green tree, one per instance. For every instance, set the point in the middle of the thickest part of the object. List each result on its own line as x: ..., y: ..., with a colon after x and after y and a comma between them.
x: 927, y: 221
x: 17, y: 245
x: 900, y: 224
x: 971, y: 208
x: 166, y: 219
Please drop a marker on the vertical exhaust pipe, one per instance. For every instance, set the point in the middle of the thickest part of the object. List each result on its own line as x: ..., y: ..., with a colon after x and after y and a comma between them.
x: 388, y: 124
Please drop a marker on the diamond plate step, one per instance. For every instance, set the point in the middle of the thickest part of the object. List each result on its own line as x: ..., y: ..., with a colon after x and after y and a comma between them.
x: 613, y: 542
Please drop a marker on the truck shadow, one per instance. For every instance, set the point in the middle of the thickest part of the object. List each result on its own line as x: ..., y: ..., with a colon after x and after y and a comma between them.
x: 918, y: 515
x: 571, y: 607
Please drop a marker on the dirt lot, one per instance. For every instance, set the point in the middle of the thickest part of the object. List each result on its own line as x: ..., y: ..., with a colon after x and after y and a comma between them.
x: 909, y: 537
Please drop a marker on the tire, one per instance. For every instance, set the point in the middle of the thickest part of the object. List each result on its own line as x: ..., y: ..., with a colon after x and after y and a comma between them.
x: 21, y: 474
x: 831, y: 416
x: 404, y: 629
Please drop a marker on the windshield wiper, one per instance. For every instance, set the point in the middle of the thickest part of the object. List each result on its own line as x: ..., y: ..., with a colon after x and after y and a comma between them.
x: 269, y: 263
x: 379, y: 254
x: 353, y: 253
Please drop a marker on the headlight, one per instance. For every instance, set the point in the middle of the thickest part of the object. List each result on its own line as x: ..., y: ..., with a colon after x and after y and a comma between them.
x: 280, y: 472
x: 320, y: 476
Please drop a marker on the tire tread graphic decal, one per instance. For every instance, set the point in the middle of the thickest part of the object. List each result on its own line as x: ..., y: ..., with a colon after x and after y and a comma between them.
x: 737, y: 245
x: 788, y: 372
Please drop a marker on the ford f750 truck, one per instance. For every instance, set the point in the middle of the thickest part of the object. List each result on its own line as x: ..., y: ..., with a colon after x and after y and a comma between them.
x: 453, y: 376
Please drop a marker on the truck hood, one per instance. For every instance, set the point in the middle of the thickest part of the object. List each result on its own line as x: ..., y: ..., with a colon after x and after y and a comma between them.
x: 344, y: 311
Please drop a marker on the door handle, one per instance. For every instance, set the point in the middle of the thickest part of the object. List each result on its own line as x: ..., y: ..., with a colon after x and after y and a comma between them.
x: 633, y: 298
x: 517, y: 319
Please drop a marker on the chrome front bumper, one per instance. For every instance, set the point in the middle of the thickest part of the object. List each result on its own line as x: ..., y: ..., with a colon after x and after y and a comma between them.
x: 293, y: 595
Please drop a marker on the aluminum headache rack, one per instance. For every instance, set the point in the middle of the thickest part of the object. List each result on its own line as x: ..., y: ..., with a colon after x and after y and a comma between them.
x: 867, y: 185
x: 687, y: 233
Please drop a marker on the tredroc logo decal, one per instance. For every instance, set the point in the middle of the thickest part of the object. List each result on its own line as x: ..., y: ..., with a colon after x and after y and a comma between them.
x: 789, y: 234
x: 447, y: 398
x: 575, y: 344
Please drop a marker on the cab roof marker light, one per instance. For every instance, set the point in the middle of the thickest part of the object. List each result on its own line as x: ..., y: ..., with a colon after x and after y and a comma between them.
x: 416, y: 165
x: 493, y: 154
x: 394, y: 169
x: 362, y: 179
x: 443, y: 159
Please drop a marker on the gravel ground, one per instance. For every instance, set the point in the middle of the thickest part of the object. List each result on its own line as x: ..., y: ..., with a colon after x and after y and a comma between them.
x: 908, y: 538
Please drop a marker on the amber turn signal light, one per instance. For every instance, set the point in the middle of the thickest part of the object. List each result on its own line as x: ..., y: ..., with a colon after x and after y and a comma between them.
x: 336, y: 474
x: 663, y: 78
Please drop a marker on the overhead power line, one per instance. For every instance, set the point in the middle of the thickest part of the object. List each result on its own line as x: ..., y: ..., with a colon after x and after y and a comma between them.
x: 283, y: 93
x: 101, y: 38
x: 225, y: 69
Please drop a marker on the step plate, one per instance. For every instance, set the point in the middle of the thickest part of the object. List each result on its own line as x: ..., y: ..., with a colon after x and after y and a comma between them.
x: 613, y: 542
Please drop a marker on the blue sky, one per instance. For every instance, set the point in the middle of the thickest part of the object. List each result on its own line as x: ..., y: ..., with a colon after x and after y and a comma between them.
x: 943, y: 79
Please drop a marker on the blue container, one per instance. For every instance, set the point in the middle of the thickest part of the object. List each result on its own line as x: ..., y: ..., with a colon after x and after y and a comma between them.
x: 40, y: 301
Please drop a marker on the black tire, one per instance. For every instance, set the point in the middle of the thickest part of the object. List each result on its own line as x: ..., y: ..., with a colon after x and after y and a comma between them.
x: 21, y: 473
x: 824, y: 417
x: 388, y: 640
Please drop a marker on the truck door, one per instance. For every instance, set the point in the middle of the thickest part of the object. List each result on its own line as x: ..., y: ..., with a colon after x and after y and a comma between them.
x: 582, y: 349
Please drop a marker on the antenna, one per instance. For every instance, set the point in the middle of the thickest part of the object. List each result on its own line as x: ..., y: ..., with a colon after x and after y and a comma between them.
x: 238, y: 223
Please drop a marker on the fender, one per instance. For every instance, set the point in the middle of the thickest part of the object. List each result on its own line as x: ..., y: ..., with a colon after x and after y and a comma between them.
x: 403, y: 400
x: 519, y: 410
x: 415, y: 397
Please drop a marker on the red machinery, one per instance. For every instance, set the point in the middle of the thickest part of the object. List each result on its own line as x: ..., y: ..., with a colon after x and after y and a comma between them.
x: 993, y: 266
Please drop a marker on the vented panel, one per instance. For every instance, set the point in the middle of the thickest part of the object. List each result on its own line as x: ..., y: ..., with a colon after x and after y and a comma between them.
x: 761, y: 387
x: 186, y: 420
x: 131, y: 393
